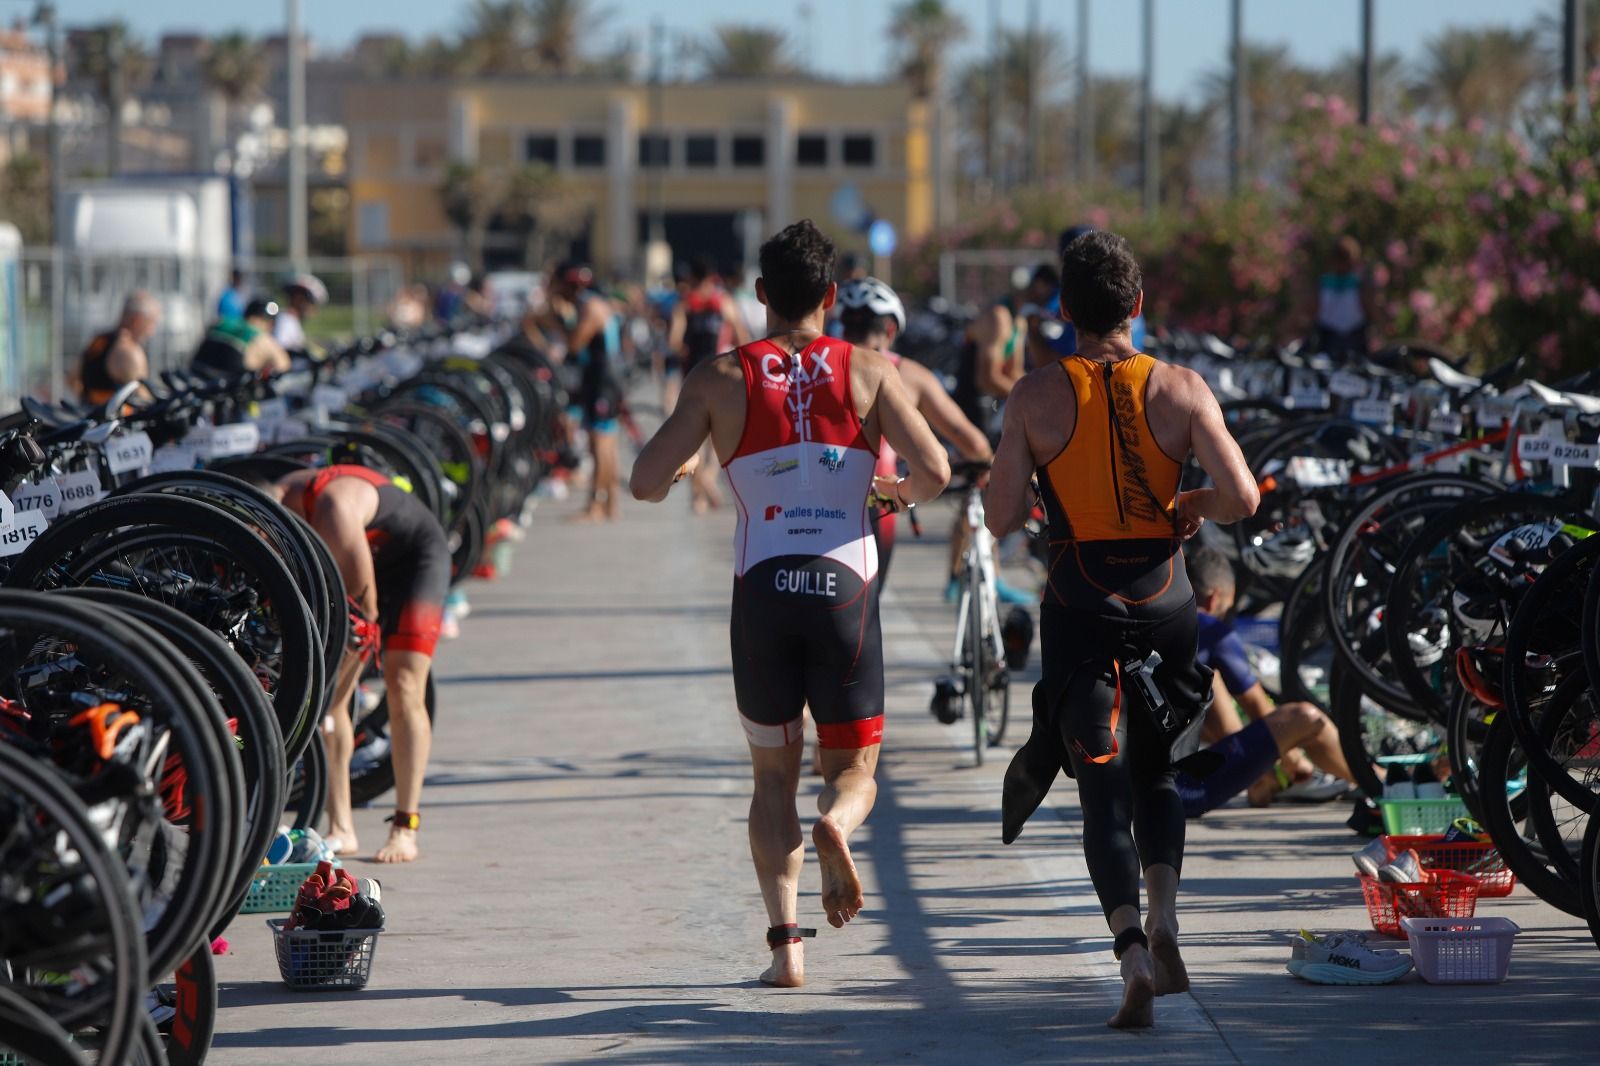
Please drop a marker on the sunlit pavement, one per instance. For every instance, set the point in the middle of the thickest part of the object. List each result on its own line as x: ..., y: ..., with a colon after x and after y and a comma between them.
x: 586, y: 892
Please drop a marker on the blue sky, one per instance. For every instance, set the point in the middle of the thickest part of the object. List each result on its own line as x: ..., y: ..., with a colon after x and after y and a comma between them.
x: 847, y: 37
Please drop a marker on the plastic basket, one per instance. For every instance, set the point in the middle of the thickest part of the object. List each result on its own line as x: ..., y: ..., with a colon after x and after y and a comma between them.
x: 1461, y: 952
x: 275, y: 890
x: 1446, y: 895
x: 1416, y: 817
x: 1478, y: 858
x: 313, y: 960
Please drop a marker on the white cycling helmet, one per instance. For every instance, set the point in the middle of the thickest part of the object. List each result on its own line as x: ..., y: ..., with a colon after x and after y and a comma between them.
x: 1283, y: 554
x: 875, y: 296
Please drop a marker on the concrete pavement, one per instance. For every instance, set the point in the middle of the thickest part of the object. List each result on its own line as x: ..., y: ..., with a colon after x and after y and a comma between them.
x: 586, y: 892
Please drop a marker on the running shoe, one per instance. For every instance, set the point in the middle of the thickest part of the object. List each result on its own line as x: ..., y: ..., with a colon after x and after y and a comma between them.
x: 1344, y: 959
x: 1465, y: 830
x: 1406, y: 869
x: 1365, y: 820
x: 1370, y: 858
x: 1318, y: 788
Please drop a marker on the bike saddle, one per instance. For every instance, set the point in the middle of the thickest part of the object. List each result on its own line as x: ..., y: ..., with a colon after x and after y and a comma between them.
x: 1450, y: 377
x: 1588, y: 405
x: 52, y: 415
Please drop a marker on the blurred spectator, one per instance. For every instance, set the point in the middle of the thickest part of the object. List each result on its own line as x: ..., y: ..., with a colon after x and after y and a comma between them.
x: 117, y: 356
x: 234, y: 298
x: 302, y: 296
x: 241, y: 345
x: 1344, y: 304
x: 409, y: 308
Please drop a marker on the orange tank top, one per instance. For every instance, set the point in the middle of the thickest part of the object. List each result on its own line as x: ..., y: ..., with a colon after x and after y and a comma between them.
x: 1112, y: 481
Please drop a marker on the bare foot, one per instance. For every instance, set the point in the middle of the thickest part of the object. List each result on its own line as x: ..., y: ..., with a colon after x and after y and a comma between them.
x: 588, y: 516
x: 788, y: 969
x: 400, y: 847
x: 1172, y: 976
x: 1138, y: 991
x: 841, y: 887
x: 341, y: 839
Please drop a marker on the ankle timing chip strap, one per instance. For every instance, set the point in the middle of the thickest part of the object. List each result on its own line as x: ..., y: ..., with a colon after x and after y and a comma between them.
x: 405, y: 820
x: 1127, y: 939
x: 779, y: 935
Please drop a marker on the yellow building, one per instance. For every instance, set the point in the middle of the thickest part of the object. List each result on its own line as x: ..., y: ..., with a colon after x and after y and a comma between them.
x: 725, y: 162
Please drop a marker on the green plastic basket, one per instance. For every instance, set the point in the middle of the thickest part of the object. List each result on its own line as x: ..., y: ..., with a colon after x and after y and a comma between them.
x: 275, y: 890
x: 1421, y: 817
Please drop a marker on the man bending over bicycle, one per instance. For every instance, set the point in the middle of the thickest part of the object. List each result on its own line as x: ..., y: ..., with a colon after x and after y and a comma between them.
x: 395, y: 561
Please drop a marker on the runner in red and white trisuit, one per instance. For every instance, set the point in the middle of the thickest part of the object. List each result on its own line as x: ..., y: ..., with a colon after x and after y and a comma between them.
x: 798, y: 418
x: 873, y: 317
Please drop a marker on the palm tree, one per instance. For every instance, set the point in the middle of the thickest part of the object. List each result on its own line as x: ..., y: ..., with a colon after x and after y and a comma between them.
x: 1391, y: 94
x: 1114, y: 109
x: 924, y: 31
x: 546, y: 208
x: 560, y: 29
x: 1187, y: 132
x: 498, y: 37
x: 234, y: 68
x: 471, y: 196
x: 111, y: 60
x: 748, y: 52
x: 1274, y: 85
x: 1481, y: 74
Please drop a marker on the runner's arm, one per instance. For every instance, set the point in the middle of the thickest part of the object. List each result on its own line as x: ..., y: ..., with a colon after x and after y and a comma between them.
x: 908, y: 431
x: 942, y: 412
x: 592, y: 322
x: 1006, y: 499
x: 1233, y: 494
x: 675, y: 330
x: 126, y: 362
x: 264, y: 352
x: 735, y: 320
x: 661, y: 461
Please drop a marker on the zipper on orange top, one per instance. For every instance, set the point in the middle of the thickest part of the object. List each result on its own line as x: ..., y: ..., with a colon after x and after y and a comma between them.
x: 1114, y: 437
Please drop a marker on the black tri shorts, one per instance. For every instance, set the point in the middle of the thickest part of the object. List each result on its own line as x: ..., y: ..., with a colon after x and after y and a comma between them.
x: 411, y: 562
x: 805, y: 631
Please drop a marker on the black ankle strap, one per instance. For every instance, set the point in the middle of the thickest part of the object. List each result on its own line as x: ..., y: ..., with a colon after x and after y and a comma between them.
x: 1127, y: 939
x: 779, y: 935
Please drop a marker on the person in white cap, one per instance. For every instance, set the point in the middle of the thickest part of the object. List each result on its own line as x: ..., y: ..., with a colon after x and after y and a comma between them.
x: 302, y: 295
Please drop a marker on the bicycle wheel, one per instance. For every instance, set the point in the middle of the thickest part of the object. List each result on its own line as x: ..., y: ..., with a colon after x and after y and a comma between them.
x: 1505, y: 776
x: 169, y: 789
x: 1447, y: 583
x: 29, y: 1032
x: 66, y: 911
x: 1589, y: 881
x: 192, y: 996
x: 978, y: 676
x: 307, y: 788
x: 203, y: 561
x: 1307, y: 658
x: 1368, y: 730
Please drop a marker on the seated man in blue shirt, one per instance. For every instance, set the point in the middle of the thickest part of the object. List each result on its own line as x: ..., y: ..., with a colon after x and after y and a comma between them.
x: 1263, y: 757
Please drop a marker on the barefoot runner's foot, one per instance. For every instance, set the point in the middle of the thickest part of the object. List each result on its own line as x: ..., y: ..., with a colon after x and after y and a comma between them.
x: 1138, y: 991
x: 341, y: 840
x: 841, y: 886
x: 400, y: 847
x: 1172, y: 976
x: 788, y: 969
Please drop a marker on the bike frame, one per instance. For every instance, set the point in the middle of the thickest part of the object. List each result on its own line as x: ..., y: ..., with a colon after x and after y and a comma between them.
x: 978, y: 606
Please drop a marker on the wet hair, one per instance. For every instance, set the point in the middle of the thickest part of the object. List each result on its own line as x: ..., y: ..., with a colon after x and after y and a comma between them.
x: 796, y: 270
x: 1209, y: 571
x: 1100, y: 282
x: 859, y: 323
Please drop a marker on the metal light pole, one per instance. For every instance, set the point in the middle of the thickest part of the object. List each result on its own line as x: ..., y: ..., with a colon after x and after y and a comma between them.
x: 1572, y: 57
x: 1085, y: 103
x: 297, y: 140
x: 1148, y: 134
x: 1366, y: 62
x: 996, y: 91
x: 45, y: 16
x: 658, y: 74
x: 1236, y: 101
x: 1031, y: 149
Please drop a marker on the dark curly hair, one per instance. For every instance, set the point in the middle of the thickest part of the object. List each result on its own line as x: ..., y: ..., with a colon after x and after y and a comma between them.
x: 1100, y: 282
x: 796, y: 270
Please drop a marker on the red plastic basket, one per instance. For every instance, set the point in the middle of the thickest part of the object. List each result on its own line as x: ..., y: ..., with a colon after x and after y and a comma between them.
x: 1446, y: 895
x: 1480, y: 859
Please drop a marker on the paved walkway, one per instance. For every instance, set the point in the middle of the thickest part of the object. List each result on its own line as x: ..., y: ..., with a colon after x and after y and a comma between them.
x: 586, y: 891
